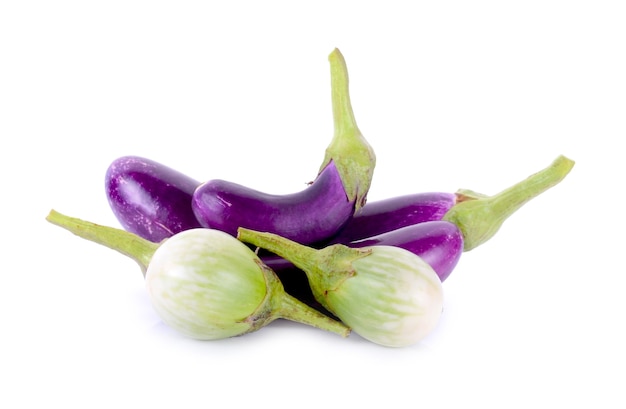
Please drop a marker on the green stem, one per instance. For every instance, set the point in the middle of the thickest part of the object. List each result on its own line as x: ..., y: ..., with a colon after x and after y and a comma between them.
x: 343, y: 116
x: 292, y: 309
x: 279, y: 304
x: 481, y: 217
x: 352, y: 155
x: 301, y: 256
x: 129, y: 244
x: 326, y: 269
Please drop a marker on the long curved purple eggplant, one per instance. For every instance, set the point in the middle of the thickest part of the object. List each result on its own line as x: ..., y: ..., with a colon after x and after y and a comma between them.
x: 150, y: 199
x: 315, y: 213
x: 308, y: 216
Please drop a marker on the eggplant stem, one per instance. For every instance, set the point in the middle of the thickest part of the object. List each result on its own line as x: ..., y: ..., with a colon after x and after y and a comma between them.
x: 129, y: 244
x: 349, y: 150
x: 298, y: 254
x: 325, y: 268
x: 481, y: 217
x: 292, y: 309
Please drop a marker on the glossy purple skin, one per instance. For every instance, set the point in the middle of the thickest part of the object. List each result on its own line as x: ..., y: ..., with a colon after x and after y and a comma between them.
x: 439, y: 243
x: 309, y: 216
x: 391, y: 214
x: 150, y: 199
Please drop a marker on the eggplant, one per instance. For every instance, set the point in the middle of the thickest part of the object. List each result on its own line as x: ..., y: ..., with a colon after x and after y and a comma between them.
x: 385, y: 215
x: 150, y: 199
x: 204, y: 283
x: 308, y: 216
x: 477, y: 215
x: 439, y: 243
x: 386, y: 294
x: 320, y: 210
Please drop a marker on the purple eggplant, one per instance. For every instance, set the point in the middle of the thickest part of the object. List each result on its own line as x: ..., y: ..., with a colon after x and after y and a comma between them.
x: 394, y: 213
x: 307, y: 216
x: 150, y: 199
x: 477, y: 215
x: 316, y: 213
x: 439, y: 243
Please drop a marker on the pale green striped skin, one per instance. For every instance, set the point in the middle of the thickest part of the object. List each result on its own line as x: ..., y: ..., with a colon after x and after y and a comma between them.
x: 207, y: 284
x: 394, y: 298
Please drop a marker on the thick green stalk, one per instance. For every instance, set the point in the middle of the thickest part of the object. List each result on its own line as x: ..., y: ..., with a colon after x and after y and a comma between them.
x: 343, y: 115
x: 288, y: 307
x: 479, y: 218
x: 349, y: 151
x: 129, y: 244
x: 326, y: 268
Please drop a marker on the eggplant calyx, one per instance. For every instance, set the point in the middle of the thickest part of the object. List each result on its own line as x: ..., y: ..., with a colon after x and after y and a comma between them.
x: 349, y: 150
x: 326, y: 269
x: 480, y: 217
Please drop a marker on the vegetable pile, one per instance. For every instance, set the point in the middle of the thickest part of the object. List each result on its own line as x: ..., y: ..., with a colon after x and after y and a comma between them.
x: 221, y: 260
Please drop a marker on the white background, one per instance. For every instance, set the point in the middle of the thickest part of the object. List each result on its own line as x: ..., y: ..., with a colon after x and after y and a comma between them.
x: 450, y: 94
